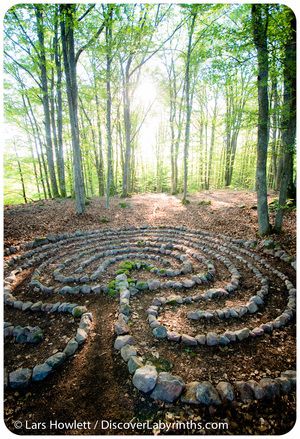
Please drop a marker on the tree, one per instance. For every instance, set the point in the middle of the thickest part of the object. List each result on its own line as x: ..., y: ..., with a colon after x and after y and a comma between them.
x: 188, y: 101
x: 288, y: 120
x: 260, y: 30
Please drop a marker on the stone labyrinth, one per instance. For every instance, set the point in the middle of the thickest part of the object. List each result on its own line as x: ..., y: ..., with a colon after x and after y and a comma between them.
x: 185, y: 291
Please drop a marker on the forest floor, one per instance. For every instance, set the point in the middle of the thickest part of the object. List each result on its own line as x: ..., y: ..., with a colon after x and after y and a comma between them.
x: 95, y: 384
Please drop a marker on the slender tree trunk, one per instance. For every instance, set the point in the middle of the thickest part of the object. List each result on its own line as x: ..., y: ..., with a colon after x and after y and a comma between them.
x: 21, y: 175
x: 260, y: 26
x: 45, y: 98
x: 212, y: 140
x: 108, y: 38
x: 67, y: 37
x: 288, y: 118
x: 127, y: 127
x: 188, y: 102
x: 59, y: 111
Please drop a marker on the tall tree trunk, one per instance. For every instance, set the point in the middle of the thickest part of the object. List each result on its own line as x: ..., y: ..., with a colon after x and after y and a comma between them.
x: 212, y: 140
x: 288, y: 118
x: 45, y: 98
x: 67, y: 37
x: 188, y: 102
x: 59, y: 112
x: 260, y: 27
x: 127, y: 127
x: 108, y: 39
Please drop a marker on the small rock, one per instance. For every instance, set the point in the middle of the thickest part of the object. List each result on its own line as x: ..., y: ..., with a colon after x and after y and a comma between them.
x: 20, y: 378
x: 41, y: 371
x: 242, y: 334
x: 134, y: 363
x: 173, y: 336
x: 269, y: 387
x: 245, y: 391
x: 168, y: 387
x: 212, y: 339
x: 160, y: 332
x: 207, y: 394
x: 81, y: 336
x: 225, y: 390
x: 201, y: 339
x: 128, y: 351
x: 188, y: 340
x: 123, y: 340
x: 189, y: 395
x: 71, y: 347
x: 145, y: 378
x: 56, y: 360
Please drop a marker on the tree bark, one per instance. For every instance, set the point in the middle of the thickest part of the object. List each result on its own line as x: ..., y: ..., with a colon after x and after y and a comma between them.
x: 288, y: 118
x: 67, y: 37
x: 260, y: 27
x: 188, y: 102
x: 45, y: 98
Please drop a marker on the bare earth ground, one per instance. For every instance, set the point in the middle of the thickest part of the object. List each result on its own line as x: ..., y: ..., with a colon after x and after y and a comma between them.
x: 95, y: 384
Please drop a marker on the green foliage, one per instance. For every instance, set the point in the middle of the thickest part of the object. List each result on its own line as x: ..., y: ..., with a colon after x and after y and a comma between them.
x: 123, y: 205
x: 104, y: 220
x: 204, y: 203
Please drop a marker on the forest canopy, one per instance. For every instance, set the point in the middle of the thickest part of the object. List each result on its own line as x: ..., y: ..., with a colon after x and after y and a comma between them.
x: 114, y: 99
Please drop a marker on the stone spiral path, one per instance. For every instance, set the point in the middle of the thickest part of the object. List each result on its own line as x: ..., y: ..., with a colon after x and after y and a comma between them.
x: 178, y: 267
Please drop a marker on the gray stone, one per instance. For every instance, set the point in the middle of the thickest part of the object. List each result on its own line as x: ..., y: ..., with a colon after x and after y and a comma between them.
x: 258, y: 331
x: 291, y: 375
x: 71, y: 347
x: 173, y: 336
x: 270, y: 388
x: 85, y: 289
x: 154, y: 284
x: 242, y: 334
x: 223, y: 341
x: 145, y: 378
x: 212, y: 339
x: 189, y: 394
x: 134, y: 363
x: 194, y: 315
x: 125, y: 309
x: 26, y: 306
x: 121, y: 278
x: 160, y: 332
x: 168, y: 387
x: 201, y: 339
x: 245, y: 391
x: 284, y: 384
x: 37, y: 306
x: 188, y: 283
x: 256, y: 389
x: 125, y: 294
x: 188, y: 340
x: 225, y: 391
x: 123, y: 340
x: 20, y: 378
x: 128, y: 351
x: 207, y: 394
x: 121, y: 326
x: 41, y: 371
x: 252, y: 307
x: 81, y: 336
x: 56, y: 360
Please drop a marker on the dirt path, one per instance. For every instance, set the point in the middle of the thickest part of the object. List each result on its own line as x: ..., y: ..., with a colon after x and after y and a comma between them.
x: 230, y: 211
x: 95, y: 384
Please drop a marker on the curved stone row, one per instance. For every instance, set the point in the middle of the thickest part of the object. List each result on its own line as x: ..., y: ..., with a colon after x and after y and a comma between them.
x: 166, y: 387
x: 22, y: 377
x: 82, y: 258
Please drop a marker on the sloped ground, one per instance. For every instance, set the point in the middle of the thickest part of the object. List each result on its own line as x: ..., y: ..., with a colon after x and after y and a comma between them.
x: 95, y: 384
